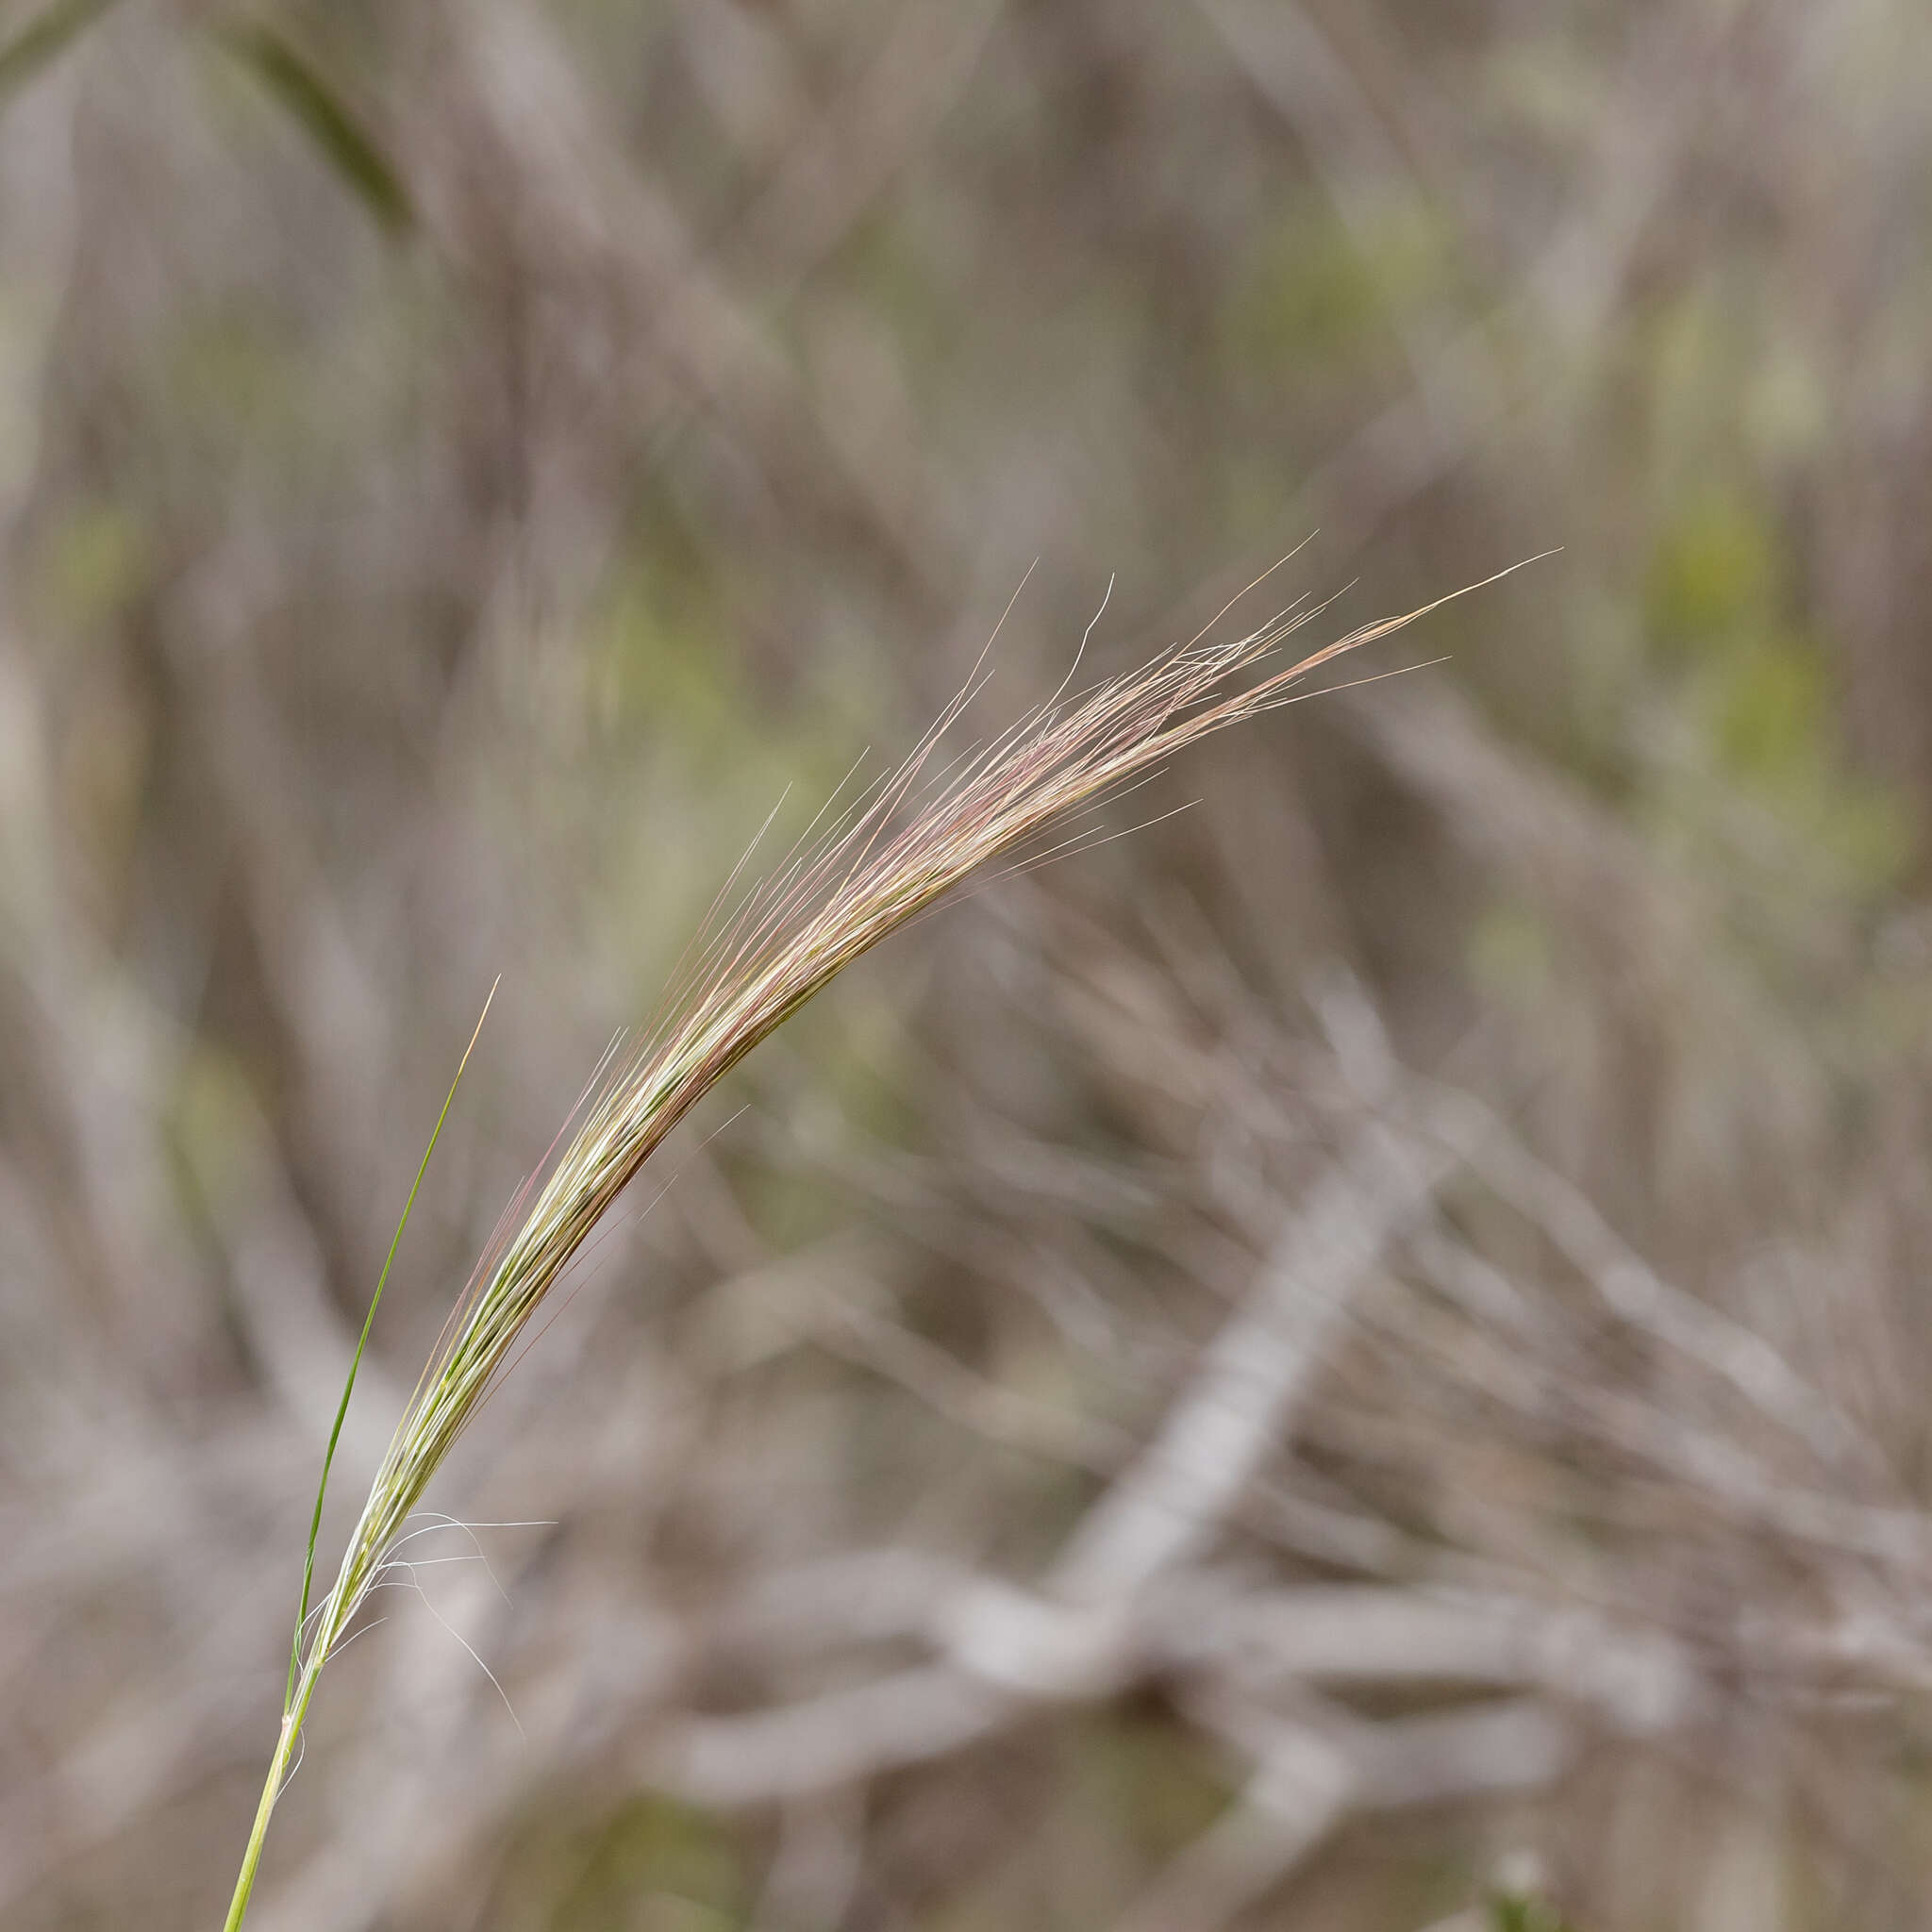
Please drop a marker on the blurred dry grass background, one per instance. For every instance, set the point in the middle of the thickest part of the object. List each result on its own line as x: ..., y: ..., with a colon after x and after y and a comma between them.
x: 1365, y: 1341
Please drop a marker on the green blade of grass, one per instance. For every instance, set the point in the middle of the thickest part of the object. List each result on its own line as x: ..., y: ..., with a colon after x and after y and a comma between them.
x: 356, y: 1360
x: 300, y: 87
x: 43, y: 38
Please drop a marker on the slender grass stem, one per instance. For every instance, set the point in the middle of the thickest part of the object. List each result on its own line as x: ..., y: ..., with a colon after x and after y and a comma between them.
x: 272, y: 1787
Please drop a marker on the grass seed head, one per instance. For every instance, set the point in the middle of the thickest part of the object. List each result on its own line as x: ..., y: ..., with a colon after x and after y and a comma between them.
x: 901, y: 848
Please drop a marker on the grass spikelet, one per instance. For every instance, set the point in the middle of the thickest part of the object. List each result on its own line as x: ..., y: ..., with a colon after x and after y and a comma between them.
x: 898, y: 850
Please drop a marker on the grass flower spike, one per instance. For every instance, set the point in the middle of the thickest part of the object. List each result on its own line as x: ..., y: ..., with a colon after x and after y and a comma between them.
x: 903, y: 846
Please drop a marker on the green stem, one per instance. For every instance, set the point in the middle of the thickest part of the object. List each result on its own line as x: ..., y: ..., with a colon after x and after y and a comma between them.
x: 333, y: 1614
x: 271, y: 1791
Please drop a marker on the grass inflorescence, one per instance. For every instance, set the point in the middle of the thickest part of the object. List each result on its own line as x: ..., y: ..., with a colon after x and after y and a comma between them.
x: 896, y: 851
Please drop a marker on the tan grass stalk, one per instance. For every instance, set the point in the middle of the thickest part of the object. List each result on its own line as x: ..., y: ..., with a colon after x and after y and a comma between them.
x: 903, y: 847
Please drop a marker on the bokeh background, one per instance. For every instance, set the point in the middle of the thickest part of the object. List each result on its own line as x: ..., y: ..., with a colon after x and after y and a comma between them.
x: 1356, y: 1357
